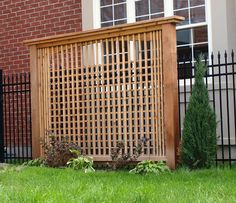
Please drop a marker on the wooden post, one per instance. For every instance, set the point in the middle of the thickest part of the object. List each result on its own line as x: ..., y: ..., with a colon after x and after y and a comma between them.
x: 170, y: 83
x: 35, y: 102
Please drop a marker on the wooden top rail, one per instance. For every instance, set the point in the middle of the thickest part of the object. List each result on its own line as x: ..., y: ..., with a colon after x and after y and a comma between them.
x: 103, y: 33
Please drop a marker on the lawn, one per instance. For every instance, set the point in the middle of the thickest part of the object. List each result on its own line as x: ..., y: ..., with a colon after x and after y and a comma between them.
x: 35, y: 184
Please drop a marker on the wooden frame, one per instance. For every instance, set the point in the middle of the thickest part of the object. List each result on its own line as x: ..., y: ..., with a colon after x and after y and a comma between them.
x: 97, y: 89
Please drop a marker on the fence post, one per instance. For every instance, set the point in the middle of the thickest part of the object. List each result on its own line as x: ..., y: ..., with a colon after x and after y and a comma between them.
x: 36, y: 152
x: 171, y: 111
x: 1, y: 121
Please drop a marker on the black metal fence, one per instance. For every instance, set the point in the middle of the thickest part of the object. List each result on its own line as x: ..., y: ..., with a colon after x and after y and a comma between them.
x: 15, y: 118
x: 220, y: 81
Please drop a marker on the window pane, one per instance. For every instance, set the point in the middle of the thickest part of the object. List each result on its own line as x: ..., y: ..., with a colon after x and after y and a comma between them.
x: 183, y: 13
x: 156, y: 6
x: 120, y: 22
x: 119, y: 11
x: 197, y: 2
x: 180, y: 4
x: 200, y: 49
x: 142, y: 18
x: 197, y: 15
x: 141, y: 7
x: 200, y: 34
x: 157, y: 16
x: 106, y: 2
x: 184, y: 53
x: 183, y: 37
x: 119, y: 1
x: 106, y: 24
x: 106, y: 14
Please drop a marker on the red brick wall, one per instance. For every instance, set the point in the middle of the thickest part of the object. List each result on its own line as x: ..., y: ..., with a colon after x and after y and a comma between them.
x: 28, y: 19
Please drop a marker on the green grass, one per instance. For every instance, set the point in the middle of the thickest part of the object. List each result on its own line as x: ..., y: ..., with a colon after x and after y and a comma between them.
x: 32, y: 184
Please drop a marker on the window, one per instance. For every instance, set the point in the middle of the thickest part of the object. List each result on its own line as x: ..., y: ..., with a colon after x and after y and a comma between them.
x: 192, y: 10
x: 190, y: 43
x: 192, y: 33
x: 113, y: 12
x: 148, y: 9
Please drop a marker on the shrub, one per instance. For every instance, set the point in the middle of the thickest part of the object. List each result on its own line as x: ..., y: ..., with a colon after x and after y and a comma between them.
x: 148, y: 166
x: 57, y: 152
x: 81, y: 162
x: 199, y: 132
x: 120, y: 159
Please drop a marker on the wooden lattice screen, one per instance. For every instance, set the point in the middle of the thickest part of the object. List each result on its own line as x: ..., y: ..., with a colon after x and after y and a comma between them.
x: 104, y: 86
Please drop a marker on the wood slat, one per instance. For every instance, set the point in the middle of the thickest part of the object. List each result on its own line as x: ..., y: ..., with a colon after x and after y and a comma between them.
x: 78, y: 94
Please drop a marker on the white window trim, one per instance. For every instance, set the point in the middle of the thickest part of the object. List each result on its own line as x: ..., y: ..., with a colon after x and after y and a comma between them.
x: 168, y: 8
x: 131, y: 13
x: 96, y: 14
x: 209, y: 26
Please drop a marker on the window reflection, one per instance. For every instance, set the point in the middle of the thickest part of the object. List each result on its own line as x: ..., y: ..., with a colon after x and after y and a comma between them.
x: 197, y: 15
x: 113, y: 12
x: 183, y: 37
x: 200, y: 34
x: 178, y: 4
x: 149, y: 9
x: 193, y: 10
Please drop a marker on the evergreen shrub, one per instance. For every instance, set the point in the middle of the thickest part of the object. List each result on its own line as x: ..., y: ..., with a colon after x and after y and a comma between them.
x: 198, y: 148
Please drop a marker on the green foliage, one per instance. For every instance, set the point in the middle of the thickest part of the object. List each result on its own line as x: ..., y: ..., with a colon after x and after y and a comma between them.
x: 35, y: 162
x: 57, y: 151
x: 120, y: 159
x: 148, y: 166
x: 199, y: 133
x: 81, y: 162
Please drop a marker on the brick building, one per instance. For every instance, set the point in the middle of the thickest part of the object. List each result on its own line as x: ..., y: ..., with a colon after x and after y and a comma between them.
x: 27, y: 19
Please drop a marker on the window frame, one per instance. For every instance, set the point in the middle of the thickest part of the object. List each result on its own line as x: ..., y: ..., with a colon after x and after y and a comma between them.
x: 168, y: 11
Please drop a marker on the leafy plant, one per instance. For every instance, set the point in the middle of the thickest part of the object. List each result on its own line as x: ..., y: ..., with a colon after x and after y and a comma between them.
x: 35, y: 162
x: 57, y: 152
x: 121, y: 159
x: 148, y: 166
x: 81, y: 162
x: 199, y: 133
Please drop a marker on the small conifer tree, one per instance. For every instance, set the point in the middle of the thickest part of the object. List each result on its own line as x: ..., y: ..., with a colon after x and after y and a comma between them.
x: 199, y: 133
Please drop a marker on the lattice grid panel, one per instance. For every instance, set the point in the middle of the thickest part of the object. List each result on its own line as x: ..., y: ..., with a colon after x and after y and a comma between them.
x: 102, y: 92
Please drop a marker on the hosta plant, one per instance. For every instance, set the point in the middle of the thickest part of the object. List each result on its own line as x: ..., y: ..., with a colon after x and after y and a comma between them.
x: 148, y: 167
x: 81, y: 162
